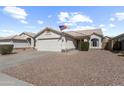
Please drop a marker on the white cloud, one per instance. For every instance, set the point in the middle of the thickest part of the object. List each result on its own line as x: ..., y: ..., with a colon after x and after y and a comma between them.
x: 49, y: 16
x: 111, y: 25
x: 80, y: 18
x: 101, y: 25
x: 16, y: 12
x: 63, y: 16
x: 23, y: 21
x: 120, y: 16
x: 85, y: 27
x: 70, y: 24
x: 40, y: 22
x: 7, y: 32
x: 104, y: 29
x: 73, y: 18
x: 112, y: 19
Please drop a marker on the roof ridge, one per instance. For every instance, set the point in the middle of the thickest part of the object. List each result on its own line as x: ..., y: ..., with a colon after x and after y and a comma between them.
x: 79, y: 33
x: 85, y: 29
x: 13, y: 37
x: 47, y: 28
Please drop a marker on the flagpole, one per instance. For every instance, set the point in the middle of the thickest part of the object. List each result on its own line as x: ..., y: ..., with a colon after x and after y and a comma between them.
x: 62, y: 27
x: 61, y: 40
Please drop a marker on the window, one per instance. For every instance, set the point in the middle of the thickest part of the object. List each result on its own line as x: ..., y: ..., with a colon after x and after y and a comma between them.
x: 95, y: 42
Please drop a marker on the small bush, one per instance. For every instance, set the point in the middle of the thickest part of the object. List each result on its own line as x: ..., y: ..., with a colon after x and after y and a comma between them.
x: 6, y: 49
x: 84, y: 46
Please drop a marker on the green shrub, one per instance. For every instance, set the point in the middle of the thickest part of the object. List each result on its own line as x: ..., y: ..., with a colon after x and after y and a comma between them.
x: 6, y: 49
x: 84, y: 46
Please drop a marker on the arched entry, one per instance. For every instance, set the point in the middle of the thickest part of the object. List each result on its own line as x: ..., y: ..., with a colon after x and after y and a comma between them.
x: 29, y: 40
x: 95, y: 42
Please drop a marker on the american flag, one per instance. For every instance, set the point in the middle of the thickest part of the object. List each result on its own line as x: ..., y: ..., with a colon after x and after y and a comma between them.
x: 62, y: 27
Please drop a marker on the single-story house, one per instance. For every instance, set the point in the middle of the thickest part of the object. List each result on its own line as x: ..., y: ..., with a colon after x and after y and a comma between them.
x: 117, y: 42
x: 105, y: 43
x: 29, y: 36
x: 52, y: 40
x: 18, y: 41
x: 22, y: 41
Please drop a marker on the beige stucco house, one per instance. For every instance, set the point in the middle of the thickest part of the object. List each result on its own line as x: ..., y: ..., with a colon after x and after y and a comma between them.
x: 52, y: 40
x: 117, y: 42
x: 22, y: 41
x: 106, y: 43
x: 17, y: 41
x: 29, y: 36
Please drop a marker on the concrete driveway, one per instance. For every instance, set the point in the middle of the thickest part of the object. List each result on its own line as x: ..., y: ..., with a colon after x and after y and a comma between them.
x: 11, y: 60
x: 6, y: 80
x: 19, y: 58
x: 94, y: 67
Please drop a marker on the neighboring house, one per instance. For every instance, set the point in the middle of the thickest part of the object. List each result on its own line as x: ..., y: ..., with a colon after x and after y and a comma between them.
x: 29, y: 36
x: 117, y: 43
x: 106, y: 43
x: 17, y: 41
x: 51, y: 40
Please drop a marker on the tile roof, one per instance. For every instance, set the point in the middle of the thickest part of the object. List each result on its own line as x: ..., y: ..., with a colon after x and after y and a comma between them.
x: 75, y: 33
x: 85, y: 32
x: 118, y: 36
x: 29, y: 33
x: 18, y: 37
x: 14, y: 37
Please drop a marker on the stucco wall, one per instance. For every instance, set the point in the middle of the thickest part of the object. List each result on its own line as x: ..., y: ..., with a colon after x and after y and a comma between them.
x: 21, y: 44
x: 68, y: 43
x: 48, y: 34
x: 106, y: 43
x: 100, y: 42
x: 32, y: 40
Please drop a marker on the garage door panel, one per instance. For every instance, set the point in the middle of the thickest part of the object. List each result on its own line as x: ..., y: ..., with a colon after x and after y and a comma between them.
x: 48, y: 45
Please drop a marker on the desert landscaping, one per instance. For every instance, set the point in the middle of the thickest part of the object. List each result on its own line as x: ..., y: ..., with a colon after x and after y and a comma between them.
x: 93, y: 67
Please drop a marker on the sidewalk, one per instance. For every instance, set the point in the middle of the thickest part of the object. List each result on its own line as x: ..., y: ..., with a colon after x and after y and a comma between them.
x: 6, y: 80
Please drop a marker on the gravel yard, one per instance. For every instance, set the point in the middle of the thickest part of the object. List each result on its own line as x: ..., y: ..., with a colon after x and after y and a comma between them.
x: 95, y: 67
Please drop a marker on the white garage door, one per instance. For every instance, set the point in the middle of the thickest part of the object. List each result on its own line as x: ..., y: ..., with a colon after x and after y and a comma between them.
x: 48, y: 45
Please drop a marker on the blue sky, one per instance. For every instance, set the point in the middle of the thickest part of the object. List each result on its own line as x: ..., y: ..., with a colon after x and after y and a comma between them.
x: 14, y: 20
